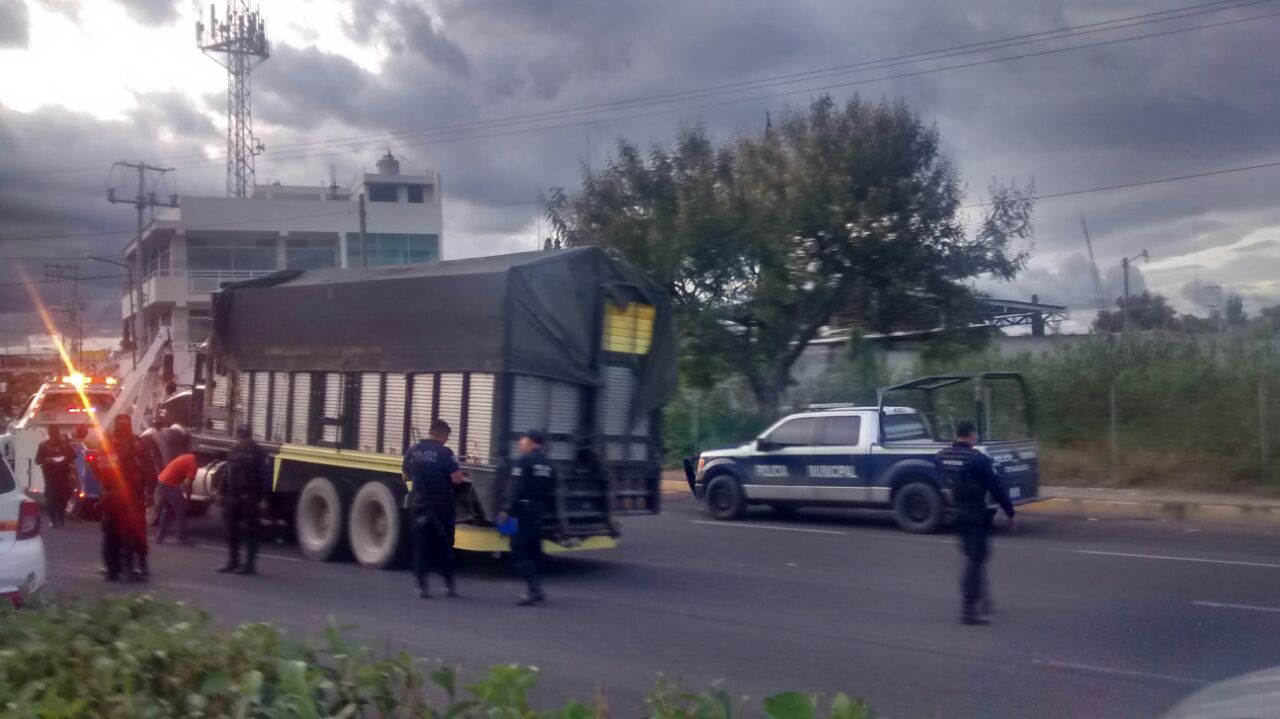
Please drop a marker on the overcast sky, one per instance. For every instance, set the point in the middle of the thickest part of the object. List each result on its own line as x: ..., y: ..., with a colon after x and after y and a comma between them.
x: 90, y: 82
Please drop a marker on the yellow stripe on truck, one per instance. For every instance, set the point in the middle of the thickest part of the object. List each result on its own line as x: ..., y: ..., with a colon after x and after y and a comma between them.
x: 467, y: 537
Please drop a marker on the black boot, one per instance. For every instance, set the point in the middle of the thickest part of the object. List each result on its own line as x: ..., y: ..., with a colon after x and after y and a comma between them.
x: 228, y: 568
x: 450, y: 590
x: 970, y: 617
x: 423, y: 591
x: 247, y: 570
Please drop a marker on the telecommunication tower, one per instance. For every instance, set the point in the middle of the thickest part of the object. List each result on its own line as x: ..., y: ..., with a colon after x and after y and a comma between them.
x: 238, y: 43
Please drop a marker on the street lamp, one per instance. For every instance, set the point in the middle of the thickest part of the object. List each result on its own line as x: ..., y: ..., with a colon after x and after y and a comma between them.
x: 1124, y: 306
x: 133, y: 319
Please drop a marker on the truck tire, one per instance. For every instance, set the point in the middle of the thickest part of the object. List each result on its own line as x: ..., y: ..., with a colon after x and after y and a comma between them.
x: 725, y: 499
x: 918, y: 507
x: 375, y: 526
x: 320, y: 520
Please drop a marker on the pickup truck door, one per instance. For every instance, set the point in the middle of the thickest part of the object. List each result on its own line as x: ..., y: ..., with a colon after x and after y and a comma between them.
x: 840, y: 470
x: 780, y: 459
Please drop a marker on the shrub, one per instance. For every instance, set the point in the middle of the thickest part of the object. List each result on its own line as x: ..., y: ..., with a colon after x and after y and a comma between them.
x: 139, y: 656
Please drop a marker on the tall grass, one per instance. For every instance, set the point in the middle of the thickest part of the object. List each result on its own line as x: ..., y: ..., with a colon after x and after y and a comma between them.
x: 1187, y: 409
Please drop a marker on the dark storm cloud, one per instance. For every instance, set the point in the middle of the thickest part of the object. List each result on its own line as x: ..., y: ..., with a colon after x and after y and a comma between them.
x: 13, y: 23
x: 1129, y: 112
x: 151, y: 12
x: 401, y: 25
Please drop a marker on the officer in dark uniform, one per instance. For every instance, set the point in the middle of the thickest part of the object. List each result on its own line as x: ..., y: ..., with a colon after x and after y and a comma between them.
x: 132, y: 463
x: 434, y: 472
x: 529, y: 493
x: 971, y: 477
x: 241, y: 494
x: 56, y: 459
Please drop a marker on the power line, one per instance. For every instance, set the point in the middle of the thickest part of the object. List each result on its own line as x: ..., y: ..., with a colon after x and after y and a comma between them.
x: 217, y: 226
x: 54, y: 282
x: 791, y: 78
x: 756, y: 98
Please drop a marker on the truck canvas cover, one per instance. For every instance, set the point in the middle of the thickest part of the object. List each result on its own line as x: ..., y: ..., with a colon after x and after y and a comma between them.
x: 534, y: 313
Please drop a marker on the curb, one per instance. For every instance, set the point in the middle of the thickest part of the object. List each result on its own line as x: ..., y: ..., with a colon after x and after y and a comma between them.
x: 1177, y: 510
x: 1181, y: 511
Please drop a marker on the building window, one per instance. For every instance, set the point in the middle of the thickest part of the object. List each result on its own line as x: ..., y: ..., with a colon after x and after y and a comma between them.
x: 310, y: 254
x: 199, y: 324
x: 208, y: 254
x: 416, y: 193
x: 393, y: 248
x: 382, y: 192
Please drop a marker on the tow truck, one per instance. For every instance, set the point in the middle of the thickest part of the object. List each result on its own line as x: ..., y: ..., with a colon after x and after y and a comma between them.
x: 58, y: 403
x: 878, y: 457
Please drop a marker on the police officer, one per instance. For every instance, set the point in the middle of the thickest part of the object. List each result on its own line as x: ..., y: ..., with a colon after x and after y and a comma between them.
x: 124, y: 537
x: 971, y: 477
x: 133, y: 465
x: 56, y: 458
x: 241, y: 493
x: 530, y: 491
x: 434, y: 472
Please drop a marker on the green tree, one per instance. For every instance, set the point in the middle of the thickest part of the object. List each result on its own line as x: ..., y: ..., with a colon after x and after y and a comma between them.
x: 1234, y: 313
x: 1147, y: 311
x: 849, y: 211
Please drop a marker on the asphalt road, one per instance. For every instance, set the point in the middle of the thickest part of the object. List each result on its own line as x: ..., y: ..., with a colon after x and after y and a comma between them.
x: 1094, y: 619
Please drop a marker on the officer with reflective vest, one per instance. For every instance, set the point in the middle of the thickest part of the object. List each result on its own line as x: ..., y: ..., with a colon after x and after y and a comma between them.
x: 972, y: 477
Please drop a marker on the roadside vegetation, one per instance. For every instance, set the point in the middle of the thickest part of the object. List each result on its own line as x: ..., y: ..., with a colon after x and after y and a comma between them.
x: 1190, y: 412
x: 139, y: 656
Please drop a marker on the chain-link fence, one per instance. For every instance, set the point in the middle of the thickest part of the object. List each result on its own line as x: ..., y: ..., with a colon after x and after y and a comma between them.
x: 1196, y: 413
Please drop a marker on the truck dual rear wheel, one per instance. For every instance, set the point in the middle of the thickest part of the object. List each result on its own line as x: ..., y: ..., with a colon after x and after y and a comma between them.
x: 918, y: 507
x: 320, y: 520
x: 375, y: 526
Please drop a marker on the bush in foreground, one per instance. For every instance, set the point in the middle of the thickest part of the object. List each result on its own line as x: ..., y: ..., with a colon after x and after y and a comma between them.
x: 140, y: 656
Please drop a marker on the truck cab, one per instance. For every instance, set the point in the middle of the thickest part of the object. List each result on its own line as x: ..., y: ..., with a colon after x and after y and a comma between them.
x: 876, y: 457
x: 64, y: 402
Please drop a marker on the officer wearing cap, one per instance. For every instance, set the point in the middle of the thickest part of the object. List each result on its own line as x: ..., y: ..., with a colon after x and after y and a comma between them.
x: 971, y: 477
x: 241, y: 494
x: 529, y: 494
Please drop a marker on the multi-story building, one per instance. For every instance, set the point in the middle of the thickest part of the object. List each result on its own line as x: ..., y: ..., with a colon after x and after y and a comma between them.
x: 192, y: 251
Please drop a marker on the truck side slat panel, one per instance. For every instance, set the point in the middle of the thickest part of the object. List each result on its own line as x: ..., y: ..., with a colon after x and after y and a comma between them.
x: 370, y: 400
x: 393, y: 427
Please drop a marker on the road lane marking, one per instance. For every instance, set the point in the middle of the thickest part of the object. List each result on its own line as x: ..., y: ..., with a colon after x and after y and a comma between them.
x: 1116, y: 672
x: 1245, y: 607
x: 261, y: 555
x: 776, y: 528
x: 1200, y: 560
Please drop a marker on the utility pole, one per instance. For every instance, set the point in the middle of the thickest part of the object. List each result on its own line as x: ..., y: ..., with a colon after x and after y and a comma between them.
x: 364, y: 239
x: 58, y: 272
x: 238, y: 43
x: 140, y: 202
x: 1124, y: 304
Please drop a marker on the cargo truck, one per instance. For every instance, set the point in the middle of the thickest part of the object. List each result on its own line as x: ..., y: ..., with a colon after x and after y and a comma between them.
x: 338, y: 371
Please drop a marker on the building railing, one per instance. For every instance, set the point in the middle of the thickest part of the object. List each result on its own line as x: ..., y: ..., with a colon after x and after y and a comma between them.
x: 213, y: 281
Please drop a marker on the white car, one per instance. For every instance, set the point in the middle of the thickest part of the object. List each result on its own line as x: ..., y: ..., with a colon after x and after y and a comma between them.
x: 22, y: 560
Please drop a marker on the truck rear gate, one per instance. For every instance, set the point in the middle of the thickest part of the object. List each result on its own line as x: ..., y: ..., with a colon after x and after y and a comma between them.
x: 338, y: 371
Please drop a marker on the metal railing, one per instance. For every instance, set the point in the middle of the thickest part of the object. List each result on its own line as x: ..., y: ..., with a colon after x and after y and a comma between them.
x: 212, y: 281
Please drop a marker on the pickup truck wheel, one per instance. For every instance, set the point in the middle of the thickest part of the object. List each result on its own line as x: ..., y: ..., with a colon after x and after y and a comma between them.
x: 918, y: 508
x: 375, y: 526
x: 320, y: 520
x: 725, y: 499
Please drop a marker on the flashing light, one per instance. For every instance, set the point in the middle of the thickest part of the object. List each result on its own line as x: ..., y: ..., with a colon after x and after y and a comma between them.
x: 110, y: 381
x: 75, y: 379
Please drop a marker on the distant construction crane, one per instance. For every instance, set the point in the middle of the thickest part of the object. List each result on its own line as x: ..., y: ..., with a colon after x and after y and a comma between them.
x: 1100, y: 297
x: 238, y: 43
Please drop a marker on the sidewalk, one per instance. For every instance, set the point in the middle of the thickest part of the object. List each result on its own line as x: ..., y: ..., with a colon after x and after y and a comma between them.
x: 1120, y: 503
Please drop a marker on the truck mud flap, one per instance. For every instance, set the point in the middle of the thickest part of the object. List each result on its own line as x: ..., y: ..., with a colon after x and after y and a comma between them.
x: 690, y: 474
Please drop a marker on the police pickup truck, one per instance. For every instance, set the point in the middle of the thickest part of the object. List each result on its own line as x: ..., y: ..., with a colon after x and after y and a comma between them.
x: 878, y: 457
